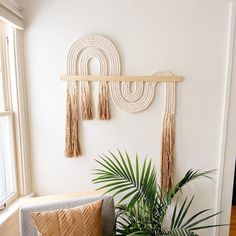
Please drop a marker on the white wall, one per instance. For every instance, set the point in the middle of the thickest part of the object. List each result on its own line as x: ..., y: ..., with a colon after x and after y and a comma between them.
x: 187, y: 37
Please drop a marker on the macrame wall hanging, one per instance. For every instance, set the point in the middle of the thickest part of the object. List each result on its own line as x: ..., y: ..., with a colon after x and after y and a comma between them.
x: 79, y: 97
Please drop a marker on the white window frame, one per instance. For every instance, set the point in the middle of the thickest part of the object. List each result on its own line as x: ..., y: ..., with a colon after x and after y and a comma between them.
x: 8, y: 111
x: 21, y: 121
x: 15, y: 108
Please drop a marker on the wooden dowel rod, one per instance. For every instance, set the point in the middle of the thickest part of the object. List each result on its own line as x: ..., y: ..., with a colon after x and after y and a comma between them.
x: 123, y: 78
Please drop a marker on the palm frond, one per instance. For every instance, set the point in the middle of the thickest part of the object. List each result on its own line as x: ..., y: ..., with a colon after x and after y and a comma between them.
x: 135, y: 220
x: 191, y: 224
x: 119, y: 176
x: 178, y: 217
x: 179, y: 232
x: 189, y: 176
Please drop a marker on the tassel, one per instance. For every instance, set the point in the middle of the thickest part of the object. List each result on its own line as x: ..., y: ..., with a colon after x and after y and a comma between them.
x: 168, y: 140
x: 167, y: 161
x: 68, y: 146
x: 103, y: 102
x: 86, y: 101
x: 72, y: 147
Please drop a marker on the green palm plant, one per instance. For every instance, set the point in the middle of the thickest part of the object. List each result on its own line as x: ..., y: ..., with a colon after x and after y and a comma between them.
x: 144, y: 205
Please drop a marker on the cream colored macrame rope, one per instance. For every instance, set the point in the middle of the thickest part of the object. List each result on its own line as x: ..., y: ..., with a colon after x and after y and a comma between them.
x: 80, y: 53
x: 133, y: 100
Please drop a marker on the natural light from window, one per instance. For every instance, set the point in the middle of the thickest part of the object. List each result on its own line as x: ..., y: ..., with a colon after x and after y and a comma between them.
x: 8, y: 187
x: 6, y: 159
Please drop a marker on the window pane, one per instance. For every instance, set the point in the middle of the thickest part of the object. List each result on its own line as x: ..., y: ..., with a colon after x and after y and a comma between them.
x: 2, y: 106
x: 7, y: 169
x: 2, y: 85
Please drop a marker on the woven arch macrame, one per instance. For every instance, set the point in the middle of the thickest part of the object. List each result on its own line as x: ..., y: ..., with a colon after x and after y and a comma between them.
x: 135, y: 99
x: 132, y: 100
x: 79, y: 101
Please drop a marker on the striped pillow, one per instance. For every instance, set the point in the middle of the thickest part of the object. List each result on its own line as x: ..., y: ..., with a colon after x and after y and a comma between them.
x: 79, y: 221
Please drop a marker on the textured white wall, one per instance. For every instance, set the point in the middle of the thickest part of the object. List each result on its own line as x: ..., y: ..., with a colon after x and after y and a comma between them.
x: 187, y: 37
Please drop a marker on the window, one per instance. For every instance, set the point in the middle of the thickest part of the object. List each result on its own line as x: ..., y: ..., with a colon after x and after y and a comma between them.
x: 8, y: 111
x: 7, y: 156
x: 15, y: 175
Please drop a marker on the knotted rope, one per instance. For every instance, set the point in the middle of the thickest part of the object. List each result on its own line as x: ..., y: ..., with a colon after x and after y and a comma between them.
x: 79, y: 101
x: 132, y: 100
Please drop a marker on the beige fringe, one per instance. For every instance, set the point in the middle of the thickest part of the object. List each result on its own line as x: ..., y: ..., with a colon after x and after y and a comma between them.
x: 86, y: 101
x: 168, y: 139
x: 103, y: 102
x: 72, y: 147
x: 167, y: 160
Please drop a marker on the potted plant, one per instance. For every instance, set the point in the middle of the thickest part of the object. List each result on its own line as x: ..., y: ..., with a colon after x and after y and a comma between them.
x: 144, y: 205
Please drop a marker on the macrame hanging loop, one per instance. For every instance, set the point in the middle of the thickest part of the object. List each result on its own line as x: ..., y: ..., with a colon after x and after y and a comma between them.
x: 79, y: 99
x: 133, y: 100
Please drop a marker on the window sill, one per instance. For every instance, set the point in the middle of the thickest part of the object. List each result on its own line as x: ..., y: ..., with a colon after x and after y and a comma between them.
x: 10, y: 214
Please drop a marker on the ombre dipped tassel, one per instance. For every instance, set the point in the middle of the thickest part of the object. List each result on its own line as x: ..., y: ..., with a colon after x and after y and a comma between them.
x: 167, y: 153
x: 168, y: 140
x: 103, y: 102
x: 86, y: 101
x: 72, y: 146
